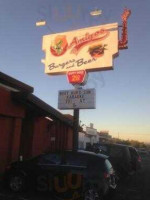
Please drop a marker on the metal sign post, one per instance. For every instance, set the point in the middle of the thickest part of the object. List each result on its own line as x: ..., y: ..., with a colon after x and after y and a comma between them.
x: 76, y: 112
x: 76, y: 116
x: 75, y: 129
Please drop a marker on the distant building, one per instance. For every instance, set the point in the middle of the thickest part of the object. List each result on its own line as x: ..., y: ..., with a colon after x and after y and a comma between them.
x: 103, y: 136
x: 89, y: 136
x: 92, y: 134
x: 82, y: 140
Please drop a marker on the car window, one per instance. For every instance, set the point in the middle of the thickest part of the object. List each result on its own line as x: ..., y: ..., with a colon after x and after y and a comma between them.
x: 76, y: 159
x: 116, y: 152
x: 104, y: 149
x: 50, y: 159
x: 133, y: 152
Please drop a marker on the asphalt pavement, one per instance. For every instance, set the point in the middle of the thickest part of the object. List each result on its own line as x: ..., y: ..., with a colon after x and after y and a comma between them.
x: 136, y: 187
x: 6, y: 194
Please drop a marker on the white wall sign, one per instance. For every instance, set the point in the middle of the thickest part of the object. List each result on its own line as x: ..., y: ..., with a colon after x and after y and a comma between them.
x: 90, y: 49
x: 78, y: 98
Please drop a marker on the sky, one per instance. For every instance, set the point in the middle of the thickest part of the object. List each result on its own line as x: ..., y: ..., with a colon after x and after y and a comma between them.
x: 122, y: 94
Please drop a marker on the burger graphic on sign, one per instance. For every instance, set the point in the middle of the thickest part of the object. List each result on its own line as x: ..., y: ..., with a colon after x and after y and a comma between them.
x: 59, y: 45
x: 97, y: 50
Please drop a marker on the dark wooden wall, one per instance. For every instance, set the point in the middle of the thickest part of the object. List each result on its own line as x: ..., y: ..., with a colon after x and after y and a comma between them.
x: 22, y: 132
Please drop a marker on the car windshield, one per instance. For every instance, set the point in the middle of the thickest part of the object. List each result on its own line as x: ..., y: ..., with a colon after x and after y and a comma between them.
x: 74, y: 92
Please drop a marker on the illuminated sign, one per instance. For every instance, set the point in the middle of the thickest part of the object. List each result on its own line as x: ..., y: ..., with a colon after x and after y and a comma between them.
x: 90, y: 49
x: 78, y: 98
x: 76, y: 77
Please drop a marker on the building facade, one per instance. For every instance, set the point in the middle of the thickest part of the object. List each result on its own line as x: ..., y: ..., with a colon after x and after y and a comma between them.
x: 88, y: 137
x: 104, y: 137
x: 28, y: 126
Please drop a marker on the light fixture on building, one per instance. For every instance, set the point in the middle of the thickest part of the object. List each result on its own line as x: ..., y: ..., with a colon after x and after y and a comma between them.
x: 48, y: 118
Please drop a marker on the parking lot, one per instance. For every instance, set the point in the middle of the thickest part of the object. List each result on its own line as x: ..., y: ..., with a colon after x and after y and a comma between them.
x: 136, y: 187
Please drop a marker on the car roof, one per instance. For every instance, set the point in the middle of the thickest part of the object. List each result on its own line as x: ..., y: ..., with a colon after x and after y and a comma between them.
x: 102, y: 156
x: 117, y: 144
x: 91, y: 153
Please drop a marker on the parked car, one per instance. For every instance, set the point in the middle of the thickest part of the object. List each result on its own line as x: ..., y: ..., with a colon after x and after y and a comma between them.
x: 135, y: 158
x: 143, y: 153
x: 71, y: 173
x: 96, y: 147
x: 125, y: 159
x: 88, y: 147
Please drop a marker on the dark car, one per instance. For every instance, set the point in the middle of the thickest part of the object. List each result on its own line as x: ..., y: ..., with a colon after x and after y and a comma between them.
x: 144, y: 154
x: 65, y: 175
x: 135, y: 158
x: 124, y: 158
x: 96, y: 148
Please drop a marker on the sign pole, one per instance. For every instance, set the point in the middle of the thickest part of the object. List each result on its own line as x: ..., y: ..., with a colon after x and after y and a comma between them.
x: 76, y: 124
x: 77, y: 79
x: 75, y: 129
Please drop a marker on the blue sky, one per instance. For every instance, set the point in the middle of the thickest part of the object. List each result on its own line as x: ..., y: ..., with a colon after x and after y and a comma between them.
x: 123, y: 94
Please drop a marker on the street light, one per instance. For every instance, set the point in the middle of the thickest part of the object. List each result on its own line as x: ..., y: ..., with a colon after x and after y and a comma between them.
x: 41, y: 23
x: 96, y: 12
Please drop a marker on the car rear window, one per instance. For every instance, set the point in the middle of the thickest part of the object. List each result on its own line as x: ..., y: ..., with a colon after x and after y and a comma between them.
x: 76, y: 159
x: 50, y: 159
x: 104, y: 150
